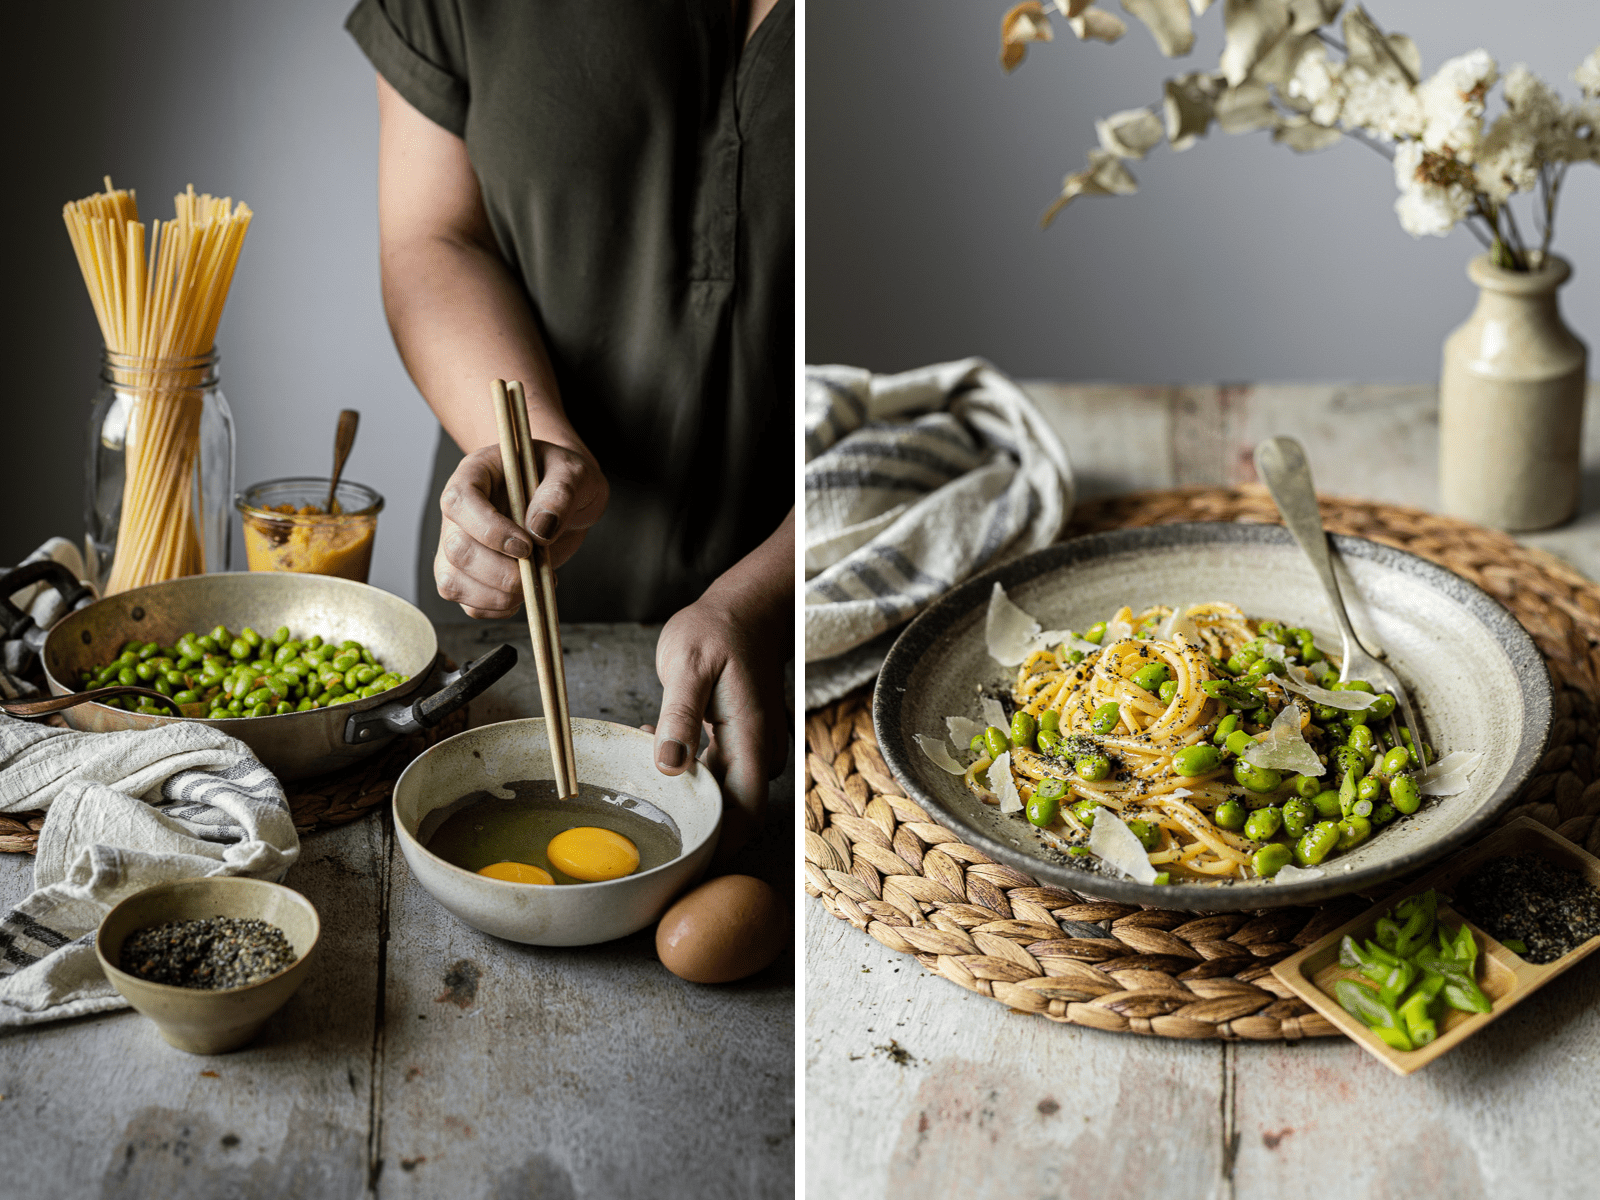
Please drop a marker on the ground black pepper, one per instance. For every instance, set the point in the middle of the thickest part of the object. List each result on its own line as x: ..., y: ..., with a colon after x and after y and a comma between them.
x: 1550, y: 909
x: 218, y: 952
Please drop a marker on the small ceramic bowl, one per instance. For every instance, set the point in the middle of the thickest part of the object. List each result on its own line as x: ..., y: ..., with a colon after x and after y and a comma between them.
x: 200, y: 1020
x: 616, y: 757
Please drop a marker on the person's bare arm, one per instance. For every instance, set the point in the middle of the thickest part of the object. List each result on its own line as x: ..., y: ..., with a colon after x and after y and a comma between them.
x: 460, y: 320
x: 721, y: 663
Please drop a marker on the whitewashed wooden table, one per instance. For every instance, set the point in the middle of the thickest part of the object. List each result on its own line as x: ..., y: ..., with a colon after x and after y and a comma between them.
x: 916, y: 1088
x: 425, y: 1059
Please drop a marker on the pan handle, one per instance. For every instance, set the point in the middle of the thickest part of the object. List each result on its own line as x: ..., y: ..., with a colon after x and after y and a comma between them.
x: 459, y: 687
x: 17, y: 624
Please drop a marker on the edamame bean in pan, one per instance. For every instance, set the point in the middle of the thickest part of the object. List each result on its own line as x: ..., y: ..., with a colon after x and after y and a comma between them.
x: 245, y: 674
x: 1228, y: 741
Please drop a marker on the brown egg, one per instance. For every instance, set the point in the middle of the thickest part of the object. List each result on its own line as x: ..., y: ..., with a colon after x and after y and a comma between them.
x: 723, y: 930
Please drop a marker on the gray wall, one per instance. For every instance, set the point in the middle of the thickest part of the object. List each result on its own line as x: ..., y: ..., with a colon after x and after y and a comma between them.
x: 267, y: 102
x: 927, y: 169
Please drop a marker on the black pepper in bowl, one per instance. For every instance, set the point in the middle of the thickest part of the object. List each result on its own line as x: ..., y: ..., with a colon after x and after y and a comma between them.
x: 1525, y: 898
x: 217, y: 952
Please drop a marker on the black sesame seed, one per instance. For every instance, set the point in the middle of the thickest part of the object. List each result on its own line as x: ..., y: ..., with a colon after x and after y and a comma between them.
x: 1552, y: 910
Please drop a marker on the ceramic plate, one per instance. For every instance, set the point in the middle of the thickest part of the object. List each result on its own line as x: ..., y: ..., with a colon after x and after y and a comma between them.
x: 1474, y: 675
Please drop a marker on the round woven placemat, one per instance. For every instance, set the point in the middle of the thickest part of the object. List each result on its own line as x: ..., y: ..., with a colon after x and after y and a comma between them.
x: 876, y: 859
x: 318, y: 803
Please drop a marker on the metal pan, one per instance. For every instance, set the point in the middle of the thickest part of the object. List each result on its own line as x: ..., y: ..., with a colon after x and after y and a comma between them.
x: 294, y: 745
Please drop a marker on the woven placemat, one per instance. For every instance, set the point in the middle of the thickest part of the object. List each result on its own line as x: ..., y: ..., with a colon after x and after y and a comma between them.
x: 876, y: 859
x: 318, y: 803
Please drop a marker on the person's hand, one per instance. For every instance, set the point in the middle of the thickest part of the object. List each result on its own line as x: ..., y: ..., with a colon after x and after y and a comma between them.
x: 722, y: 670
x: 478, y: 545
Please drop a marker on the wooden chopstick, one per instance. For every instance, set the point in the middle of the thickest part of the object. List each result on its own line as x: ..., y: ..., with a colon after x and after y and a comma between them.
x: 545, y: 573
x: 533, y: 598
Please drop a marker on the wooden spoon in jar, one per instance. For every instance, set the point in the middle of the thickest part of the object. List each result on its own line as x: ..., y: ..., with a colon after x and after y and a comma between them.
x: 342, y: 441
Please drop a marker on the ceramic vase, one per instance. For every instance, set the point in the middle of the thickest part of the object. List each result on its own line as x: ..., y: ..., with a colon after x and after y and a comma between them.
x: 1511, y: 403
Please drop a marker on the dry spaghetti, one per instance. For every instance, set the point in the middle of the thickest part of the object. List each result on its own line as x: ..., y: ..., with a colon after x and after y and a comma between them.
x: 158, y: 310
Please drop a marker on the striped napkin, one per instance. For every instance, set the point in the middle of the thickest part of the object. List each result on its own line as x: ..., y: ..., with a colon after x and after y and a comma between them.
x: 913, y: 483
x: 124, y: 811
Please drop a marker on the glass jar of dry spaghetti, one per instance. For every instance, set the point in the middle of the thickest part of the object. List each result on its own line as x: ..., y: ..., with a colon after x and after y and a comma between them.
x: 159, y: 477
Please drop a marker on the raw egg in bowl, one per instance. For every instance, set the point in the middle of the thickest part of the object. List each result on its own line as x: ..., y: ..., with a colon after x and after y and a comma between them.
x: 482, y: 832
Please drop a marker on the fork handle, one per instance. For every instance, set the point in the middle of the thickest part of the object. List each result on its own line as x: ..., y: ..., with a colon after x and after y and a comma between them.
x: 1281, y: 463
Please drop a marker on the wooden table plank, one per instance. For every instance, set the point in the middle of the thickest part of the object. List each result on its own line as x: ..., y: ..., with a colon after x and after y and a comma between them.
x: 1506, y: 1114
x: 588, y: 1071
x: 102, y: 1106
x: 989, y: 1104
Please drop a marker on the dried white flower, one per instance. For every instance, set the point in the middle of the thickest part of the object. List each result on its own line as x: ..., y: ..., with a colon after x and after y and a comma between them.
x: 1319, y: 82
x: 1337, y: 93
x: 1433, y: 191
x: 1382, y: 104
x: 1587, y: 76
x: 1508, y: 160
x: 1452, y: 104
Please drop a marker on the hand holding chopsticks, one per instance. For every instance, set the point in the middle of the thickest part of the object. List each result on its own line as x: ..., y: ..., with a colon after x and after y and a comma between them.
x: 538, y: 581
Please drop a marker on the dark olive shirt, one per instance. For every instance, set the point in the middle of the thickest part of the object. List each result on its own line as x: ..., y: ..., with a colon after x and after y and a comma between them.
x: 637, y: 165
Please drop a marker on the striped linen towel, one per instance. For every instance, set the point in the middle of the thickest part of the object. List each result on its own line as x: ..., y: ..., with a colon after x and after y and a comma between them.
x: 913, y: 483
x: 124, y: 811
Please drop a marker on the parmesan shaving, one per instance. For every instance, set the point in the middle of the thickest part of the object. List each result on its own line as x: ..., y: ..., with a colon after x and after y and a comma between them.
x: 1001, y: 783
x: 1114, y: 843
x: 1179, y: 623
x: 1283, y: 748
x: 1296, y: 682
x: 934, y: 749
x: 1275, y: 652
x: 1117, y: 631
x: 962, y: 731
x: 1450, y: 774
x: 1008, y: 631
x: 993, y: 713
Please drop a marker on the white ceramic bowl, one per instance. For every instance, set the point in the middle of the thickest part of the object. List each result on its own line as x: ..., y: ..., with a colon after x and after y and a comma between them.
x: 617, y: 757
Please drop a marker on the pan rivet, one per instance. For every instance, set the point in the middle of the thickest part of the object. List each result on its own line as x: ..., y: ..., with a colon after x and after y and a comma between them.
x: 137, y: 614
x: 87, y: 637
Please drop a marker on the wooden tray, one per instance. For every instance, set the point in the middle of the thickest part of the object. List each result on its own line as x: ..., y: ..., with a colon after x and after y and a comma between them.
x: 1507, y: 978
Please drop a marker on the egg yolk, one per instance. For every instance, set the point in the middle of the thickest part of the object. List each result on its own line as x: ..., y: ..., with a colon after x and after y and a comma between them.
x: 515, y: 872
x: 593, y: 854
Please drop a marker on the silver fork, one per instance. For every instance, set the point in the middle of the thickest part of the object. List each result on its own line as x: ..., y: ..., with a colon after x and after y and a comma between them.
x: 1281, y: 463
